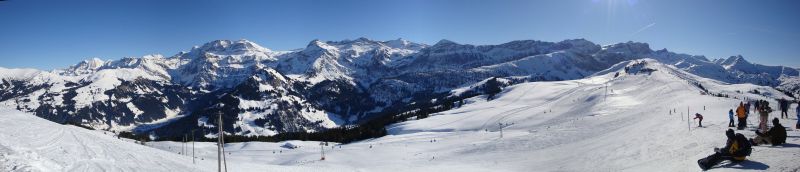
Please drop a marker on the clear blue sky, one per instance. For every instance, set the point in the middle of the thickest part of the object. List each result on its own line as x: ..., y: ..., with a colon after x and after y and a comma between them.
x: 56, y: 34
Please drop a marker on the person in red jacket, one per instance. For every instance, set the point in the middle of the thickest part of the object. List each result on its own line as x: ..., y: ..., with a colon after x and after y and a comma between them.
x: 699, y: 118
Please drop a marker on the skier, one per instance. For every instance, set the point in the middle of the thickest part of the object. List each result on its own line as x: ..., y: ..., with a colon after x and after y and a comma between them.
x: 730, y: 117
x: 775, y: 136
x: 740, y: 112
x: 736, y: 150
x: 700, y: 119
x: 784, y: 105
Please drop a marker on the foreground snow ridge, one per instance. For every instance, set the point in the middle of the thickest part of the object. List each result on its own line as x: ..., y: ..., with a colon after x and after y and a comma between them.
x: 639, y: 124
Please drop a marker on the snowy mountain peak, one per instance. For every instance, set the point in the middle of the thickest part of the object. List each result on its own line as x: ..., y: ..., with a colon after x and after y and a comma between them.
x: 401, y: 43
x: 92, y: 63
x: 85, y: 67
x: 732, y: 61
x: 398, y: 42
x: 444, y: 42
x: 363, y: 39
x: 577, y: 42
x: 226, y: 47
x: 318, y: 45
x: 629, y: 47
x: 581, y: 45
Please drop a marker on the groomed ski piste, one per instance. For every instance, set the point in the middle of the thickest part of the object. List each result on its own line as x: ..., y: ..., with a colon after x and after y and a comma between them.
x: 632, y: 122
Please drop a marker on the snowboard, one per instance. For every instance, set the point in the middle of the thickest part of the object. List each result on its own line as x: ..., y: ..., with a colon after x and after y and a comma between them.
x: 703, y: 163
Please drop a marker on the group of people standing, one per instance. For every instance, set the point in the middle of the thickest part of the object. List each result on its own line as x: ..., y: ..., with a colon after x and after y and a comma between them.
x: 762, y: 108
x: 784, y: 106
x: 738, y: 147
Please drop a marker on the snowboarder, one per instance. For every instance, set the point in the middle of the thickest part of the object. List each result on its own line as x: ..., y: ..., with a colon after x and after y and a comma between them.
x: 784, y: 105
x: 775, y: 136
x: 736, y: 150
x: 699, y: 118
x: 763, y: 111
x: 730, y: 117
x: 740, y: 113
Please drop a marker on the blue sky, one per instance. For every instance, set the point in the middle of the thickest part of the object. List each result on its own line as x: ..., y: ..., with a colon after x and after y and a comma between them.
x: 55, y: 34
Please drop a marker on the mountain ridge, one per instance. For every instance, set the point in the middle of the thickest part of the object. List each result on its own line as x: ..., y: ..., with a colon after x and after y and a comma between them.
x: 328, y: 83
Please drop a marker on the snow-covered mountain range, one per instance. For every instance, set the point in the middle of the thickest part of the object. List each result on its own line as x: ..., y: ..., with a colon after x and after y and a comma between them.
x: 324, y: 85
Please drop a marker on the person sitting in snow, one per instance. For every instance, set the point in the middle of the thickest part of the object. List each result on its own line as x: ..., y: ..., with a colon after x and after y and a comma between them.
x: 730, y: 117
x: 736, y: 150
x: 775, y: 136
x: 699, y: 118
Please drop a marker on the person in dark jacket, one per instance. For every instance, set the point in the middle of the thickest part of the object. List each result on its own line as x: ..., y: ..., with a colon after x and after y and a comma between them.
x: 730, y: 118
x: 775, y: 136
x: 736, y: 149
x: 699, y: 118
x: 784, y: 105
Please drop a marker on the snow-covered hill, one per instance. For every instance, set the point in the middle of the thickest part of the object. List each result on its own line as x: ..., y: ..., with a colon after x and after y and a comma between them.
x: 326, y: 84
x: 629, y: 117
x: 639, y: 124
x: 28, y: 143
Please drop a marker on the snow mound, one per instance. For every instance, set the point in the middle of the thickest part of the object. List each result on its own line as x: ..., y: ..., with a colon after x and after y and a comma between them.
x: 24, y: 147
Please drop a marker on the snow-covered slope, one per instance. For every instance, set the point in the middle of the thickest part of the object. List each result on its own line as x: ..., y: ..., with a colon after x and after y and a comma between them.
x: 639, y: 124
x: 24, y: 147
x: 633, y: 116
x: 28, y: 143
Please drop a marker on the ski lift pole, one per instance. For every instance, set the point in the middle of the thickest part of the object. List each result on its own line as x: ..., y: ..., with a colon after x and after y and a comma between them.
x: 221, y: 162
x: 219, y: 143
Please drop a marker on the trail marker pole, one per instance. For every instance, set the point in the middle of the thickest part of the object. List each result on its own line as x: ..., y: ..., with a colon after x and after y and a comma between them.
x: 606, y: 95
x: 688, y: 123
x: 501, y: 130
x: 193, y: 157
x: 322, y: 150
